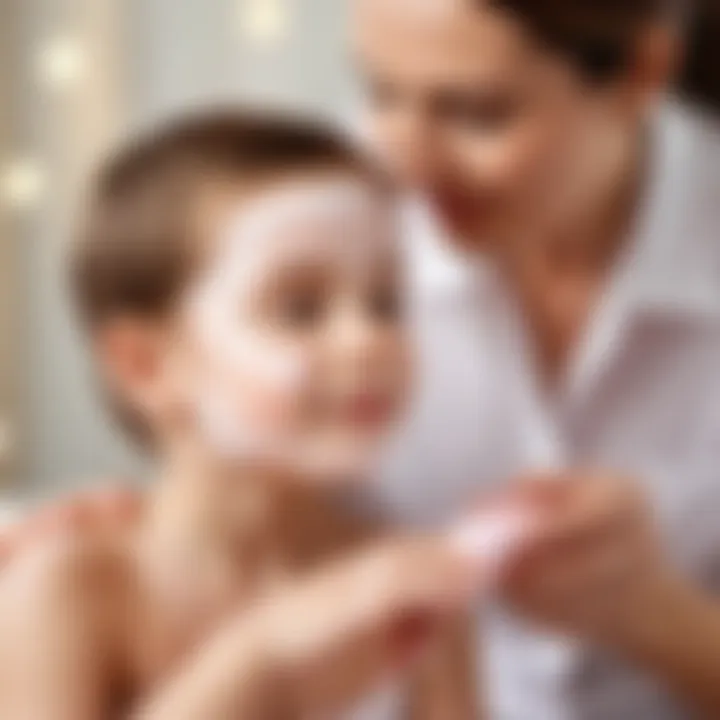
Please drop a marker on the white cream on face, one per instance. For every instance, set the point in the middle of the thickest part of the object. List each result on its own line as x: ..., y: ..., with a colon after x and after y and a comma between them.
x: 339, y: 216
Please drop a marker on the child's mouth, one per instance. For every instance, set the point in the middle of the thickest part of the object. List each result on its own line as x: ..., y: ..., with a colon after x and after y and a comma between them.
x: 366, y: 410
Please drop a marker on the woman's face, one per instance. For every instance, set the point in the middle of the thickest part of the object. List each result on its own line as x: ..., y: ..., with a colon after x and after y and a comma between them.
x: 299, y: 352
x: 502, y: 136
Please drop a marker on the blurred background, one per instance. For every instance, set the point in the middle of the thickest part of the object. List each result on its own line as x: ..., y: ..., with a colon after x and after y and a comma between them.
x: 74, y: 76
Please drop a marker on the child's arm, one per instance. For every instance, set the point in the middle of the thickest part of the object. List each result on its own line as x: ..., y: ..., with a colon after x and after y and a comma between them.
x: 445, y: 686
x: 324, y: 642
x: 57, y: 652
x: 53, y: 657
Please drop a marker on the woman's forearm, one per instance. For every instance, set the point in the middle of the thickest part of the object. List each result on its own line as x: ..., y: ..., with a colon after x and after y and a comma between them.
x: 682, y: 648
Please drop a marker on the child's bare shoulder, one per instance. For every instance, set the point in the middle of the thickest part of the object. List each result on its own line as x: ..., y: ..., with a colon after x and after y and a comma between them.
x: 75, y: 578
x: 59, y: 626
x: 74, y: 560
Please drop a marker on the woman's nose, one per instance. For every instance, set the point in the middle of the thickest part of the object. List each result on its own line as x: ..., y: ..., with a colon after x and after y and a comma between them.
x: 411, y: 150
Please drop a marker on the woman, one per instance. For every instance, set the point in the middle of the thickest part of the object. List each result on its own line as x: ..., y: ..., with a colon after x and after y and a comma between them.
x: 539, y: 136
x: 569, y: 318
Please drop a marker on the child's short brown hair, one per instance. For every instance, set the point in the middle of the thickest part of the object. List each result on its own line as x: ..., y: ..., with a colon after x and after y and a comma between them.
x: 137, y: 250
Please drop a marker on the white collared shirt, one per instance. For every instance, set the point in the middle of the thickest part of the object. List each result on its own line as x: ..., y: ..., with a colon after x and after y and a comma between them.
x: 641, y: 397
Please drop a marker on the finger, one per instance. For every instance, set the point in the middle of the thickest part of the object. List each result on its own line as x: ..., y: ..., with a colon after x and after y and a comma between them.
x: 380, y: 590
x: 544, y: 489
x: 578, y: 580
x: 431, y: 573
x: 586, y: 573
x: 408, y: 635
x: 370, y: 613
x: 597, y: 508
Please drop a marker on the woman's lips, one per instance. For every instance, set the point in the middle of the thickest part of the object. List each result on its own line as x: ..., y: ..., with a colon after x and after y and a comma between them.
x: 460, y: 211
x: 454, y: 209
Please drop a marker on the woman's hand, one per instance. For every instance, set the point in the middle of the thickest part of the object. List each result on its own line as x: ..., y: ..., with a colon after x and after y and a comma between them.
x: 595, y: 567
x: 96, y: 510
x: 596, y: 570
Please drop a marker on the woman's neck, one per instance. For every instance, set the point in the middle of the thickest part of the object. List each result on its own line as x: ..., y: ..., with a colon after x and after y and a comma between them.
x: 557, y: 277
x: 589, y: 230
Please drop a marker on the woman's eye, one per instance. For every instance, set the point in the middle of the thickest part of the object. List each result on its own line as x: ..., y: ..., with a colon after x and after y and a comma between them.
x: 489, y: 115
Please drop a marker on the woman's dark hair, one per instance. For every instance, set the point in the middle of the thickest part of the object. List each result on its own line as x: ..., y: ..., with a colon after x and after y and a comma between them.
x: 599, y: 36
x: 701, y: 77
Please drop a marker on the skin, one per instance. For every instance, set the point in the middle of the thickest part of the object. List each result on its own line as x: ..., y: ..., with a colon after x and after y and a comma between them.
x: 319, y: 363
x: 221, y: 598
x: 528, y: 164
x: 596, y: 570
x: 65, y: 607
x: 518, y: 156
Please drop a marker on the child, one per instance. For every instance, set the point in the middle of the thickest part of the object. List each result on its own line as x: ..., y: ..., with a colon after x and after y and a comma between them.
x: 240, y: 284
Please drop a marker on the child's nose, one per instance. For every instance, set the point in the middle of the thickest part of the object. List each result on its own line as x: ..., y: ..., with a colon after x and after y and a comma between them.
x: 355, y: 337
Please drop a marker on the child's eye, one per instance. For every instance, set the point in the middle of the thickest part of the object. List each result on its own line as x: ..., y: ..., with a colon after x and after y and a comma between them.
x: 302, y: 310
x: 385, y: 305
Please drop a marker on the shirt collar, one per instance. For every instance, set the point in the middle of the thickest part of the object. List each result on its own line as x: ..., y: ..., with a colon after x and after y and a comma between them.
x: 672, y: 267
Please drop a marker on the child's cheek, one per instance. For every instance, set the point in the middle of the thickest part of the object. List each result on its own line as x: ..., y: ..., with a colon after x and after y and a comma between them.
x: 269, y: 387
x: 253, y: 396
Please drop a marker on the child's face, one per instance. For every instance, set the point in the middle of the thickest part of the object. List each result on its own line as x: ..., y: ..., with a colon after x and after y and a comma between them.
x: 299, y: 353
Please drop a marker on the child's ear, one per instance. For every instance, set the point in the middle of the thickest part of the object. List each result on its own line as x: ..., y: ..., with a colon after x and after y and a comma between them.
x: 133, y: 356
